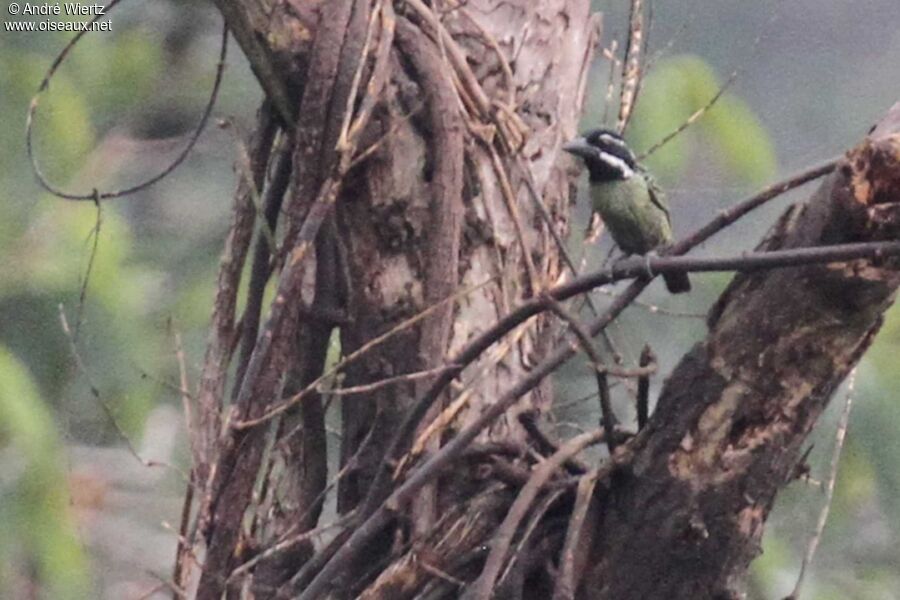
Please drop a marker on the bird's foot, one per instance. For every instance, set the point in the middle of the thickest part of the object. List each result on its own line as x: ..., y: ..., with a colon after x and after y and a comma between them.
x: 647, y: 257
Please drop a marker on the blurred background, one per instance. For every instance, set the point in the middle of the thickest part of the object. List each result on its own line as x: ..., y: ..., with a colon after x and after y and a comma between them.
x: 82, y: 516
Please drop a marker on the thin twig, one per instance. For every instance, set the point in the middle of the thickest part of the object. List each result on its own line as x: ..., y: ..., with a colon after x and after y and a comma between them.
x: 638, y: 372
x: 695, y: 116
x: 352, y: 128
x: 95, y: 391
x: 654, y: 309
x: 284, y: 544
x: 563, y: 250
x: 173, y: 387
x: 245, y: 169
x: 631, y: 65
x: 730, y: 215
x: 184, y: 549
x: 107, y: 409
x: 608, y: 416
x: 512, y: 206
x: 610, y: 55
x: 578, y: 534
x: 829, y: 487
x: 435, y: 572
x: 183, y: 383
x: 163, y: 584
x: 747, y: 58
x: 650, y: 62
x: 435, y: 427
x: 376, y: 385
x: 298, y: 397
x: 82, y: 294
x: 537, y: 517
x: 289, y: 539
x: 491, y: 42
x: 265, y: 248
x: 528, y: 421
x: 573, y: 402
x: 362, y: 156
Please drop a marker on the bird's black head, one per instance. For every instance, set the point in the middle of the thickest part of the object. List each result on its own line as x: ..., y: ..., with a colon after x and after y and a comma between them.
x: 605, y: 154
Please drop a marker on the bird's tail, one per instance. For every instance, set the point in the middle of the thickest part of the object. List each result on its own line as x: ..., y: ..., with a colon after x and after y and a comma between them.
x: 677, y: 282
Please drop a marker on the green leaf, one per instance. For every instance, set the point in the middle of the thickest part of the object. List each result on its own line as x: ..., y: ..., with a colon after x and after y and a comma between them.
x: 673, y: 91
x: 34, y: 513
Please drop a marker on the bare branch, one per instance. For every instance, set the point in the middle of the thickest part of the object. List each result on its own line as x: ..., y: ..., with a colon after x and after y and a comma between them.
x: 578, y: 538
x: 107, y: 409
x: 368, y: 387
x: 608, y: 417
x: 631, y: 65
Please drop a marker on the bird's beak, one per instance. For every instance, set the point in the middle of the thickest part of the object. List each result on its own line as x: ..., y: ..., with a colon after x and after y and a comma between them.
x: 579, y: 147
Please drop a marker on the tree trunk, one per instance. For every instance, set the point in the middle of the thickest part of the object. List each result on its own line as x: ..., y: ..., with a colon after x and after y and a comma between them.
x: 439, y: 208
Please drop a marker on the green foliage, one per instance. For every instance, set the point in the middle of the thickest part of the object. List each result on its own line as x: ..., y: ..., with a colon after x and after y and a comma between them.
x: 675, y: 89
x: 46, y: 243
x: 35, y: 518
x: 884, y: 351
x: 125, y: 69
x: 62, y: 124
x: 878, y: 421
x: 45, y: 248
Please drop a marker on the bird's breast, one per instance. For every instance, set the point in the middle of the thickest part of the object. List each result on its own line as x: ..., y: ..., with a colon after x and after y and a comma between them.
x: 634, y: 221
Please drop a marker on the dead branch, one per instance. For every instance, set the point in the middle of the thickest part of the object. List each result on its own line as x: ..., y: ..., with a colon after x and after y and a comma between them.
x: 222, y: 329
x: 579, y: 536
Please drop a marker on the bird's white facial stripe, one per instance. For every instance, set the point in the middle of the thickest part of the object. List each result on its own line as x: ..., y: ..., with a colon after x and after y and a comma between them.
x: 611, y: 139
x: 616, y: 163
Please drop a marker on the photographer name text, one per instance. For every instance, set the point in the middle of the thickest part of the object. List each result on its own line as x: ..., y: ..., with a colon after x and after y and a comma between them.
x: 65, y: 8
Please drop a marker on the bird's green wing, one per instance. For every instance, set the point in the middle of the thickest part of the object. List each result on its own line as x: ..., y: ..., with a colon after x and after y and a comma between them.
x: 657, y: 197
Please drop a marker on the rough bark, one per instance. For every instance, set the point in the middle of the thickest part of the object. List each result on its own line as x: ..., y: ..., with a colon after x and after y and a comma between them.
x: 335, y: 60
x: 400, y: 225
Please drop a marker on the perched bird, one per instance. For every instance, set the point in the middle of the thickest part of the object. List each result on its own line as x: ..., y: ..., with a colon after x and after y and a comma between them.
x: 632, y: 207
